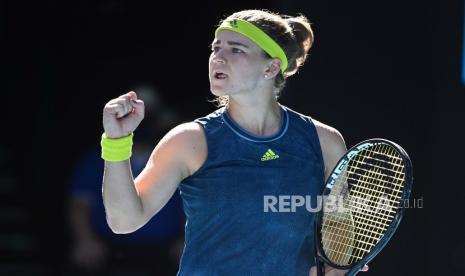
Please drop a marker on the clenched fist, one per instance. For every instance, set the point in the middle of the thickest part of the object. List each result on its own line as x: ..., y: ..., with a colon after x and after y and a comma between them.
x: 121, y: 116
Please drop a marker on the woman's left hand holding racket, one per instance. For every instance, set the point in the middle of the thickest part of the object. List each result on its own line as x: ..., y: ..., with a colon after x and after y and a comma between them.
x: 331, y: 271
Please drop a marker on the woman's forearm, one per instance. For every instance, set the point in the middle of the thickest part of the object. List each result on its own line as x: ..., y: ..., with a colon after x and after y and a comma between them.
x: 123, y: 206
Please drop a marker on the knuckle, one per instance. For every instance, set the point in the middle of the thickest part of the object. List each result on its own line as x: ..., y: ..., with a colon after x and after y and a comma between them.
x: 113, y: 101
x: 120, y: 101
x: 110, y: 107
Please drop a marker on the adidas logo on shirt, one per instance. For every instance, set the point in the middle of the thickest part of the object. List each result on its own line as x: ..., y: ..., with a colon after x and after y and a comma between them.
x: 269, y: 155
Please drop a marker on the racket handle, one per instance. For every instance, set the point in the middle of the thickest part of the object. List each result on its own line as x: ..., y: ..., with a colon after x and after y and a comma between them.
x: 319, y: 267
x: 354, y: 270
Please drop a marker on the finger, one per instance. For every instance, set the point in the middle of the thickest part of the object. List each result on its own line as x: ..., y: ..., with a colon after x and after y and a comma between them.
x: 128, y: 107
x: 139, y: 107
x: 119, y: 100
x: 131, y: 95
x: 125, y: 103
x: 116, y: 109
x: 364, y: 268
x: 313, y: 271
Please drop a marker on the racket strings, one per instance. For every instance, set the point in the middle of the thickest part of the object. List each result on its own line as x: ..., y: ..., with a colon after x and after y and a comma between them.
x: 338, y: 238
x: 367, y: 216
x: 371, y: 185
x: 377, y: 175
x: 377, y: 179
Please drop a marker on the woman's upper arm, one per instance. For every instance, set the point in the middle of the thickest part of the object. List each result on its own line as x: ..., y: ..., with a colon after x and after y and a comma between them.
x: 332, y: 144
x: 178, y: 154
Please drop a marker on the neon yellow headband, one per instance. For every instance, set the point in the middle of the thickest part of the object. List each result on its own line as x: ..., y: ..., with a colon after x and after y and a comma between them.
x: 256, y: 35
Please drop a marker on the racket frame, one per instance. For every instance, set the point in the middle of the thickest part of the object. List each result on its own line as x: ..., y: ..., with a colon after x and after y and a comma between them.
x: 320, y: 255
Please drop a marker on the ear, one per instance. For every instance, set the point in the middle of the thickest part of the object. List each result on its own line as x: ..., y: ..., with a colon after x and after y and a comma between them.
x: 273, y: 68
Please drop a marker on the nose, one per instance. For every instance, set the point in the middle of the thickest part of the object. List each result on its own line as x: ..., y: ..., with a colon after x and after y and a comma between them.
x: 218, y: 58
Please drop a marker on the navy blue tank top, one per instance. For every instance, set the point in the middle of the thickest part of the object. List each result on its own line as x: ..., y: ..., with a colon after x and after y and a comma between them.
x: 228, y: 231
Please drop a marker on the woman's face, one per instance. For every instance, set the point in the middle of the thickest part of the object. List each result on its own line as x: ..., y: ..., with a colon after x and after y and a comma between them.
x: 237, y: 65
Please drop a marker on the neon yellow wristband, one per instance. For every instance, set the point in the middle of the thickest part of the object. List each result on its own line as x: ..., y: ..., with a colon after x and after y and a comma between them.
x: 116, y: 149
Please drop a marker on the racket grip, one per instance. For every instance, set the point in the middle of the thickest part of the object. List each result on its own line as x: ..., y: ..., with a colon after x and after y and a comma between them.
x: 319, y: 267
x: 354, y: 270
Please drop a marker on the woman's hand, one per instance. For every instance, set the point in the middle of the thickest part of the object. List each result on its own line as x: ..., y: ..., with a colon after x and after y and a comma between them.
x: 121, y: 116
x: 331, y: 271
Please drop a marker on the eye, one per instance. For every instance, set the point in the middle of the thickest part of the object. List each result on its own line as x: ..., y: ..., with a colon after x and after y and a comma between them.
x: 237, y: 50
x: 215, y: 49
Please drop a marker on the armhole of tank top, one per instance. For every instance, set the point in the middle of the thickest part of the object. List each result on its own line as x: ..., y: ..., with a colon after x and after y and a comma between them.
x: 316, y: 142
x: 201, y: 168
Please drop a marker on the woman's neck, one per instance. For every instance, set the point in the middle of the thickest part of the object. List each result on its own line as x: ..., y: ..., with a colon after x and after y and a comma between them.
x: 261, y: 118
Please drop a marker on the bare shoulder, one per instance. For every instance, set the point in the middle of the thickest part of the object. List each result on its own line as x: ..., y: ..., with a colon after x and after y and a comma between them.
x: 184, y: 133
x: 185, y: 143
x: 178, y: 154
x: 329, y: 136
x: 332, y: 144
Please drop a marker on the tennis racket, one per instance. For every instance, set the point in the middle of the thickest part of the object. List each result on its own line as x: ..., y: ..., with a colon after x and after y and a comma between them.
x: 362, y: 205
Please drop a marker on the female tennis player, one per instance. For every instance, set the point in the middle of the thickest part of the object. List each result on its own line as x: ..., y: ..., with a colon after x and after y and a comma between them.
x: 226, y: 163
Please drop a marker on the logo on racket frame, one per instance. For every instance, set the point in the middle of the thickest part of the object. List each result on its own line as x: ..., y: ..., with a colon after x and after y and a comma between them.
x: 340, y: 166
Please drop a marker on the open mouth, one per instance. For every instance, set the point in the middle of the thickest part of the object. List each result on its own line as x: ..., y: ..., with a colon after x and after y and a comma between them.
x: 220, y: 76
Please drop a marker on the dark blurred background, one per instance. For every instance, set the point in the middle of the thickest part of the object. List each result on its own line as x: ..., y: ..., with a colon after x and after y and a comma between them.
x: 388, y: 69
